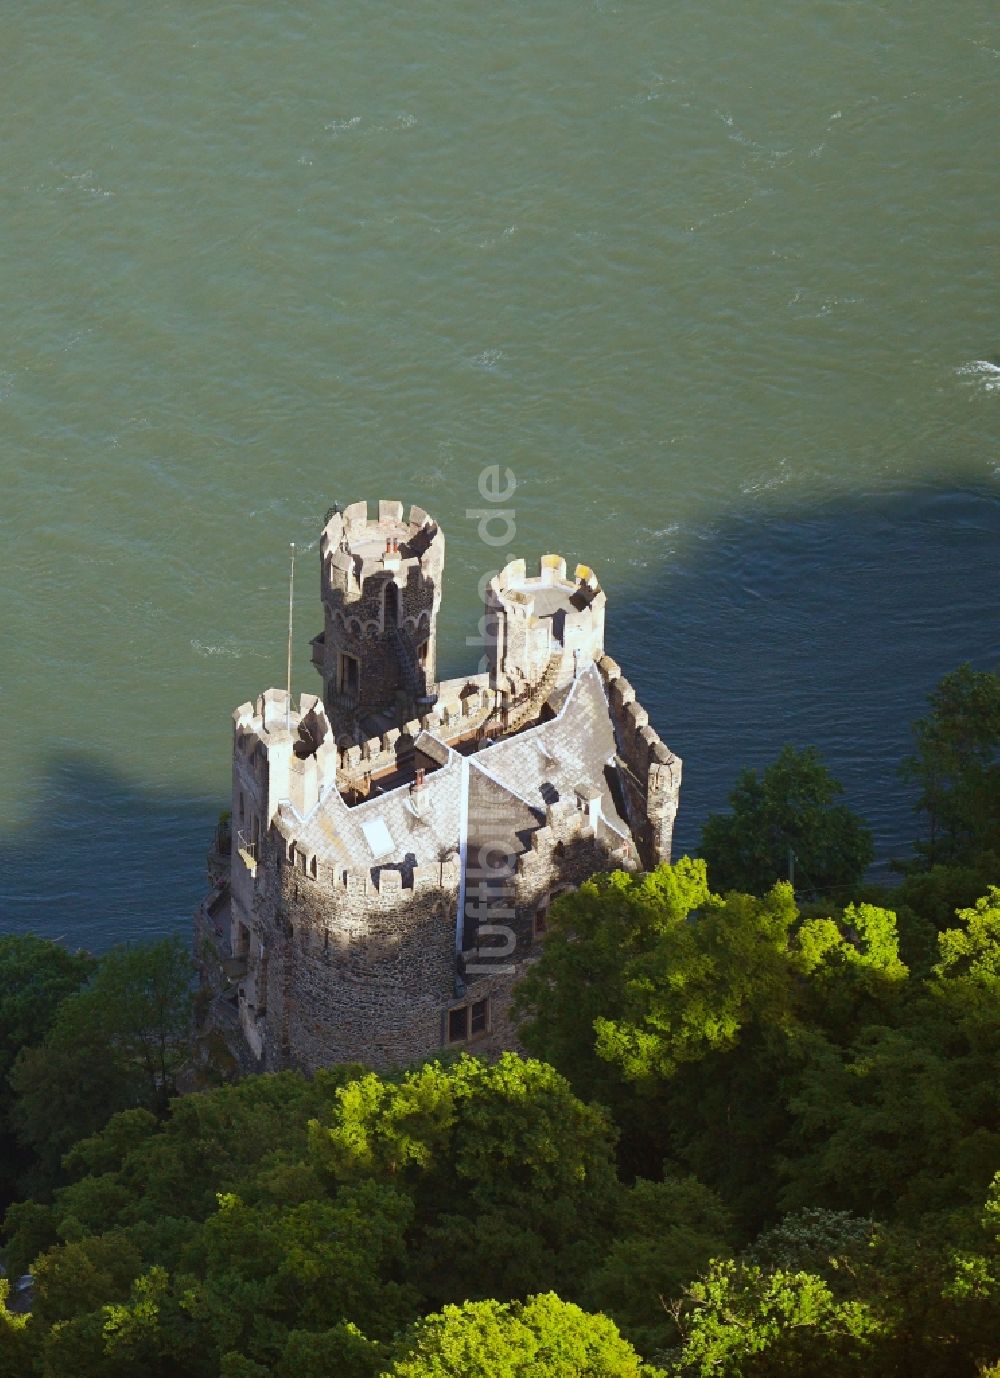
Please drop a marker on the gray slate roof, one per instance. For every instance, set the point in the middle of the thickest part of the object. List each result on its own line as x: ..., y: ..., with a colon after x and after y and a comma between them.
x: 547, y: 762
x: 510, y: 785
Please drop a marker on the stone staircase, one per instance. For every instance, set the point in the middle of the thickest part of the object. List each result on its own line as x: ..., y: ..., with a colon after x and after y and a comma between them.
x: 414, y: 679
x: 524, y: 709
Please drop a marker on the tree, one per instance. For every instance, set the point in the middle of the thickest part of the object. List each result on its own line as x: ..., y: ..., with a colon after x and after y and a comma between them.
x: 35, y: 977
x: 701, y: 983
x: 118, y: 1043
x: 831, y: 1244
x: 543, y: 1337
x: 966, y: 979
x: 956, y: 767
x: 595, y: 936
x: 682, y: 1011
x: 666, y: 1233
x: 882, y: 1127
x: 17, y: 1341
x: 502, y: 1151
x: 744, y: 1321
x: 790, y: 808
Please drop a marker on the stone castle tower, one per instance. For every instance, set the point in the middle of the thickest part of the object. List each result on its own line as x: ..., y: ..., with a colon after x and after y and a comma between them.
x: 381, y: 590
x: 397, y: 841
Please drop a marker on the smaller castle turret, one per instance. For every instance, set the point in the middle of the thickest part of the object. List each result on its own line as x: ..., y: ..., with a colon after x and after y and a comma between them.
x: 542, y: 628
x: 381, y: 589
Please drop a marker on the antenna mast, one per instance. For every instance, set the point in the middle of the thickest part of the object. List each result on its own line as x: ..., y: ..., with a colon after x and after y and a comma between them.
x: 291, y: 607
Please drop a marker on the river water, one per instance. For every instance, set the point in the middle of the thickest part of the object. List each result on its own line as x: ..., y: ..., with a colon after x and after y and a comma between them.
x: 717, y: 282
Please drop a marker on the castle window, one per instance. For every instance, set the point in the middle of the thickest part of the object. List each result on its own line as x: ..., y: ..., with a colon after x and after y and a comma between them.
x: 348, y: 675
x: 313, y: 868
x: 541, y: 920
x: 390, y: 612
x: 422, y: 654
x: 468, y: 1021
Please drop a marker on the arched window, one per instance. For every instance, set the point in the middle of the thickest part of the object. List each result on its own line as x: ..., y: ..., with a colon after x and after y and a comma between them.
x: 390, y: 611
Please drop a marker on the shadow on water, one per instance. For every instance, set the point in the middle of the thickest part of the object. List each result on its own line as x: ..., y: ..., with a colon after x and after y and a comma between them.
x: 104, y: 859
x: 821, y: 625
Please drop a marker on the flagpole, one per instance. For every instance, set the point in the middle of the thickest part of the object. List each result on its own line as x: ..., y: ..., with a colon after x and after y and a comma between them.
x: 291, y: 606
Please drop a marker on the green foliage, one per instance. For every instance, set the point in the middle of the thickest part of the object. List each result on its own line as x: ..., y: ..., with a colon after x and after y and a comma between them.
x: 17, y: 1342
x: 790, y: 805
x: 543, y: 1337
x: 967, y: 978
x: 885, y: 1126
x: 284, y: 1224
x: 700, y: 1011
x: 342, y: 1350
x: 502, y: 1151
x: 831, y: 1244
x: 116, y: 1044
x: 744, y: 1321
x: 665, y: 1234
x: 35, y: 977
x: 594, y: 937
x: 956, y: 767
x: 700, y: 983
x: 935, y: 894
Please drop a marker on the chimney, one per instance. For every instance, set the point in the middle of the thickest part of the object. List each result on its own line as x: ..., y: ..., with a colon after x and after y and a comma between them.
x: 588, y: 800
x: 418, y: 790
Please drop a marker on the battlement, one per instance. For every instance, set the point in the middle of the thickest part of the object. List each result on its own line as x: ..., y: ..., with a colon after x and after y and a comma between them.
x: 380, y: 580
x: 515, y: 585
x: 543, y: 620
x: 272, y: 712
x: 282, y: 752
x: 652, y: 772
x: 449, y: 718
x: 355, y: 546
x: 384, y: 883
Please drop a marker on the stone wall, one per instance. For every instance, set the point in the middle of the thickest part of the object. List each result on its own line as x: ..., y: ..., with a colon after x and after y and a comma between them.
x: 652, y: 774
x: 358, y: 964
x: 359, y: 967
x: 368, y: 590
x: 450, y: 718
x: 521, y: 641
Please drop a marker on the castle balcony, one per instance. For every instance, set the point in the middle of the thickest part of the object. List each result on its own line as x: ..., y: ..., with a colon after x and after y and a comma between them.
x: 247, y: 852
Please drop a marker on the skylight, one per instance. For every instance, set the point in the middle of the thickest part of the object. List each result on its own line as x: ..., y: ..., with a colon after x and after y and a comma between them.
x: 378, y: 837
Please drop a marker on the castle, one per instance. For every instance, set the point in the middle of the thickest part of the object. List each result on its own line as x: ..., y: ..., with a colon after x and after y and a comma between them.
x: 396, y: 842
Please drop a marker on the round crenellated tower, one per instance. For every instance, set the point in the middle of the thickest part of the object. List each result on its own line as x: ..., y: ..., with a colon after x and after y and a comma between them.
x: 381, y: 589
x: 542, y: 628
